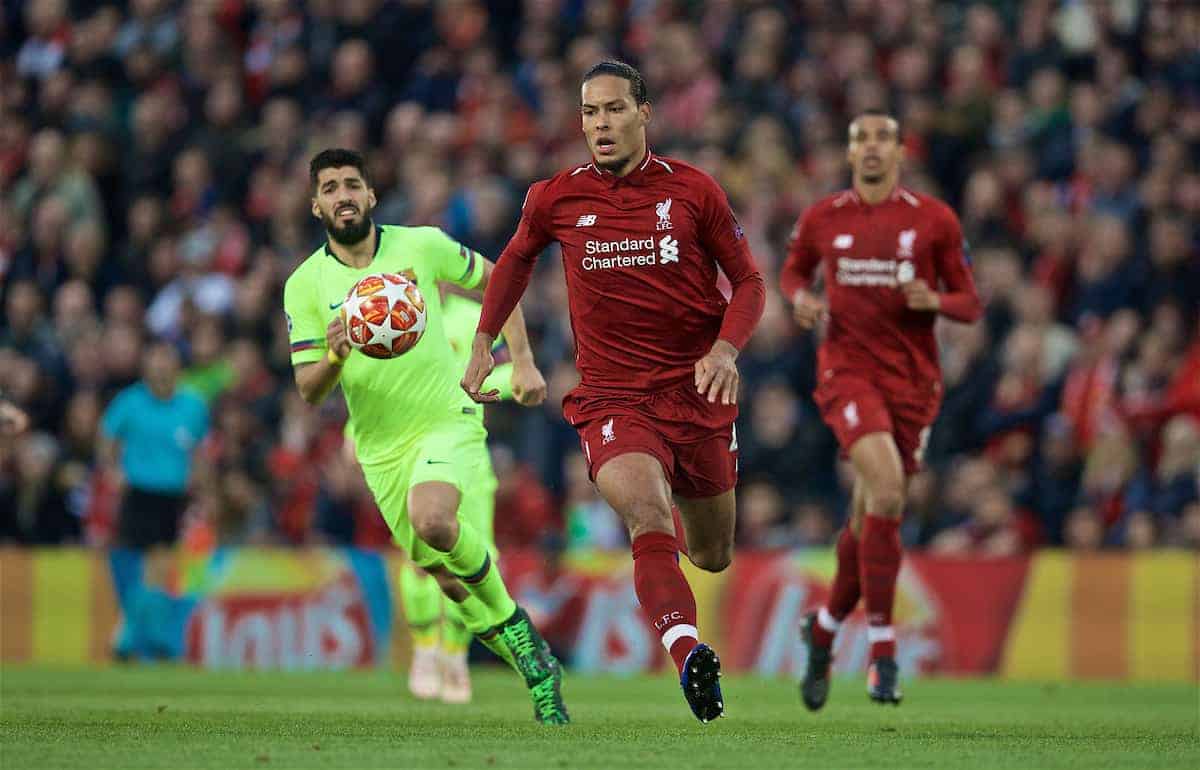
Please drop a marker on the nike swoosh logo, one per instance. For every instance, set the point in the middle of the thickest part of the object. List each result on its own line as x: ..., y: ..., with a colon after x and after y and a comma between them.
x: 335, y: 305
x: 436, y: 462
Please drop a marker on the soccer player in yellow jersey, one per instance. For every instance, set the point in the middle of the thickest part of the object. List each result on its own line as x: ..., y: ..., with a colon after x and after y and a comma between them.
x: 413, y: 428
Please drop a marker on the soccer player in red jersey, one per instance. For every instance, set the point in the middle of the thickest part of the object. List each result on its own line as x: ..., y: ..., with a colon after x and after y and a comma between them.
x: 894, y: 260
x: 643, y: 238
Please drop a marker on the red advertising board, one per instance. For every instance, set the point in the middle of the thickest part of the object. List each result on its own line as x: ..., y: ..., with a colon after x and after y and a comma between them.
x: 951, y: 616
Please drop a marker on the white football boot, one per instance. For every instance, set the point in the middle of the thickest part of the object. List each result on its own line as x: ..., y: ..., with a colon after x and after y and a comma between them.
x: 425, y: 673
x: 456, y: 678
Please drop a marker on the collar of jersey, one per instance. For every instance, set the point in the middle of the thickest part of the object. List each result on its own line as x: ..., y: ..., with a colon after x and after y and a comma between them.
x: 893, y: 196
x: 633, y: 177
x: 378, y: 242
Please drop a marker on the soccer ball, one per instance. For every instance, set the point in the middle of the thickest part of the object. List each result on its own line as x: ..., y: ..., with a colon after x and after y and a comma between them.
x: 384, y: 315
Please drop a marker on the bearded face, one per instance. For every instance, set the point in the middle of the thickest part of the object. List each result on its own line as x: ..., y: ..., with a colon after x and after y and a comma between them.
x: 344, y: 203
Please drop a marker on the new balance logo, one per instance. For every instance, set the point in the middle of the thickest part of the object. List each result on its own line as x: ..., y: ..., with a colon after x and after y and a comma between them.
x: 587, y: 220
x: 843, y: 241
x: 668, y: 250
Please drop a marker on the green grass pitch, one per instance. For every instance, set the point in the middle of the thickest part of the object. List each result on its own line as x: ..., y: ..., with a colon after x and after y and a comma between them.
x: 170, y: 717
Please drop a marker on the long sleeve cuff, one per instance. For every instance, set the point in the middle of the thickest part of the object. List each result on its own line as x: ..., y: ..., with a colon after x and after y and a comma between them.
x: 960, y: 305
x: 744, y: 311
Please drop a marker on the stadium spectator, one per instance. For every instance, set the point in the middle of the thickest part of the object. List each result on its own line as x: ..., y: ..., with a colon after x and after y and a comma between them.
x: 51, y: 174
x: 762, y: 517
x: 13, y: 421
x: 1161, y: 495
x: 994, y: 529
x: 35, y: 510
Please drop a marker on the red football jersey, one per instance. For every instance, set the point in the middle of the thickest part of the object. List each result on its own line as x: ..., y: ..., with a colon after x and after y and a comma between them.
x: 641, y: 256
x: 868, y: 252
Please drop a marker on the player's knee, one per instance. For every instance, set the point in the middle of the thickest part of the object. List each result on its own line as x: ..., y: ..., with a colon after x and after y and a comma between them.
x: 887, y: 500
x: 435, y: 528
x: 647, y: 517
x: 712, y: 559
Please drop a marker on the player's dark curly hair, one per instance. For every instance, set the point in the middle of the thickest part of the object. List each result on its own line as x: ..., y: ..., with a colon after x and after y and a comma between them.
x: 637, y: 85
x: 336, y: 157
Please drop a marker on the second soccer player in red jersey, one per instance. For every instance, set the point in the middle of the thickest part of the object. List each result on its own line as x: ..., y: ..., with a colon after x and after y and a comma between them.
x: 643, y: 238
x: 893, y: 261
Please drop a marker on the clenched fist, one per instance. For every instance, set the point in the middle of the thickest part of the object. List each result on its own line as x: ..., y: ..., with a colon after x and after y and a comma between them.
x: 336, y: 339
x: 808, y: 310
x: 528, y: 384
x: 918, y: 296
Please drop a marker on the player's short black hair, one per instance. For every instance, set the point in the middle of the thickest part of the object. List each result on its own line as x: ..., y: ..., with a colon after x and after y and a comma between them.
x: 637, y: 84
x: 879, y: 112
x: 337, y: 157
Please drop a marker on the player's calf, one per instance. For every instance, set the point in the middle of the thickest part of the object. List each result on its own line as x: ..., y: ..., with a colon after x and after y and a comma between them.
x: 710, y: 519
x: 879, y: 559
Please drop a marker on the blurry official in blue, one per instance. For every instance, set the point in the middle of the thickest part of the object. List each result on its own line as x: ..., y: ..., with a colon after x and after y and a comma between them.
x: 149, y: 436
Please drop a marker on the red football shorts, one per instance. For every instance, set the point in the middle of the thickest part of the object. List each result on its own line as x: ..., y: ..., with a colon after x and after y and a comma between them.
x: 695, y: 441
x: 853, y: 407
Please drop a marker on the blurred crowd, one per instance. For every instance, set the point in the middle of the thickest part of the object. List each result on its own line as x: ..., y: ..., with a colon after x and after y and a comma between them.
x: 153, y: 185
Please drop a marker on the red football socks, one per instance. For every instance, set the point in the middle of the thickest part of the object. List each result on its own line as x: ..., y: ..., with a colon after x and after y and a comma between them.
x: 664, y: 593
x: 844, y: 593
x: 879, y: 562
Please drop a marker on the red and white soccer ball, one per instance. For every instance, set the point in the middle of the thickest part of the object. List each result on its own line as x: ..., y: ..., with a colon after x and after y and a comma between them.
x: 384, y: 315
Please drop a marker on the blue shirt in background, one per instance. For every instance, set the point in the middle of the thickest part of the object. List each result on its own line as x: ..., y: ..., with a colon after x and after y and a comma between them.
x: 157, y: 437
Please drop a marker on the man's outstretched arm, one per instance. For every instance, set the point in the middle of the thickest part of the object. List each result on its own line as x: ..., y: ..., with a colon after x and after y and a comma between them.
x: 505, y: 284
